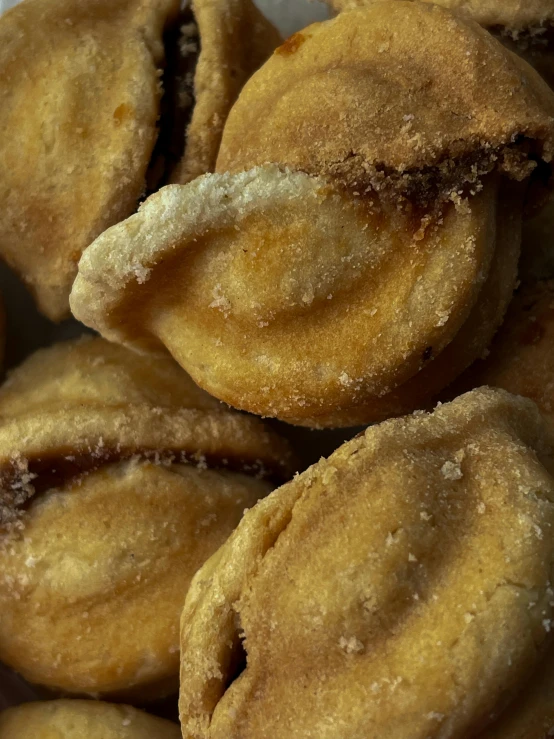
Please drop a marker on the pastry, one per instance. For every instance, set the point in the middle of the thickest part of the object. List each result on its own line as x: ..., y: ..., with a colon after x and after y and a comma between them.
x: 118, y: 479
x: 351, y: 236
x: 233, y: 40
x: 79, y: 118
x: 77, y: 719
x: 401, y: 588
x: 525, y: 28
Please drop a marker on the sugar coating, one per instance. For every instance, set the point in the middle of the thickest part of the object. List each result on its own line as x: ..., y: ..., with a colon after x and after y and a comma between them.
x: 387, y: 623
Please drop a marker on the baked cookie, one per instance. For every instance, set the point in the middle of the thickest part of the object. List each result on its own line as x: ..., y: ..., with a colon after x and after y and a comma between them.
x: 118, y: 479
x: 80, y: 102
x: 401, y: 588
x: 387, y: 155
x: 77, y: 719
x: 525, y: 28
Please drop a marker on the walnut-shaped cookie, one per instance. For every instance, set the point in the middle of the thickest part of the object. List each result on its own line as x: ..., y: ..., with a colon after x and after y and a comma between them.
x: 82, y: 89
x: 79, y: 719
x: 323, y: 288
x: 401, y: 588
x: 118, y: 479
x: 526, y: 28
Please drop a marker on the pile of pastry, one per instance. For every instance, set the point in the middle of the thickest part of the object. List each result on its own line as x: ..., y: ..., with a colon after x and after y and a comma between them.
x: 351, y: 227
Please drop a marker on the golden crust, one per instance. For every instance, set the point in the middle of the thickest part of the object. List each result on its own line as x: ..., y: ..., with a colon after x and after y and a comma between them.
x: 316, y: 288
x: 77, y: 128
x: 119, y: 478
x: 78, y: 405
x: 93, y: 580
x: 234, y: 318
x: 78, y: 119
x: 473, y: 338
x: 412, y: 88
x: 75, y: 719
x: 417, y: 595
x: 235, y: 39
x: 511, y: 14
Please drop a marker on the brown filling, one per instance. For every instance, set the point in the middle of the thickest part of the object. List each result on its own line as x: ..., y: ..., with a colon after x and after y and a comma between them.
x: 427, y: 189
x: 182, y: 49
x: 21, y: 480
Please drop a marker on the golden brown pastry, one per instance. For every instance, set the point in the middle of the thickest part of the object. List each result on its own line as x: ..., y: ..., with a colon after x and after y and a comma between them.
x: 521, y: 360
x: 119, y: 478
x: 401, y: 588
x: 77, y: 719
x: 526, y: 28
x: 321, y: 288
x: 80, y: 91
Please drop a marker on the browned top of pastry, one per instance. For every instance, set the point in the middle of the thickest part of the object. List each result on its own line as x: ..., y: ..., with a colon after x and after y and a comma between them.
x: 399, y: 588
x: 310, y: 294
x: 361, y: 99
x: 511, y: 14
x: 75, y: 406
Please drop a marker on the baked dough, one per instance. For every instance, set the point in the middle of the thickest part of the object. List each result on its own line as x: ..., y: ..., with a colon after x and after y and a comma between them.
x: 76, y: 719
x: 401, y: 588
x: 531, y: 713
x: 526, y: 29
x: 80, y: 92
x: 119, y: 478
x: 315, y: 287
x: 234, y: 39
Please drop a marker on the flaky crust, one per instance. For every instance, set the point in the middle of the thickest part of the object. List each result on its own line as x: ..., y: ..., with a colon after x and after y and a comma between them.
x: 362, y: 341
x: 75, y: 719
x: 235, y: 40
x: 511, y: 14
x: 77, y: 128
x: 119, y: 478
x: 417, y: 592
